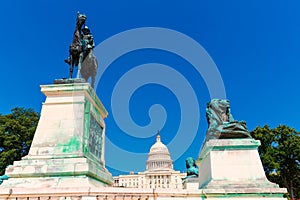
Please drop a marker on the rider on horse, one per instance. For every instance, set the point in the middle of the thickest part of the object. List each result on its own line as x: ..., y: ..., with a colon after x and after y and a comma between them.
x: 87, y: 41
x: 81, y: 51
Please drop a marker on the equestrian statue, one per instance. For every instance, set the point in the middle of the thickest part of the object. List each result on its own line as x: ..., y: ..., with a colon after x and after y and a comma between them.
x: 81, y: 52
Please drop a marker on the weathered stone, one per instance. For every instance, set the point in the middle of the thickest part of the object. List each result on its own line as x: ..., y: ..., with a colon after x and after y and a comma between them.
x: 68, y: 146
x: 234, y: 166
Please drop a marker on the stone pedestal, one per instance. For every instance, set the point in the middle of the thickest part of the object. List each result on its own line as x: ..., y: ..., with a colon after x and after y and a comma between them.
x: 68, y: 145
x: 191, y: 183
x: 233, y: 166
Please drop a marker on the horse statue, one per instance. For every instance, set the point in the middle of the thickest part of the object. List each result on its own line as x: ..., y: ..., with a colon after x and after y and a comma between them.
x: 221, y: 124
x: 81, y: 51
x: 75, y: 50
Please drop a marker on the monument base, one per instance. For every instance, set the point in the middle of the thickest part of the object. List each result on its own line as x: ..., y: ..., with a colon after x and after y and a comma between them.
x: 191, y: 183
x: 233, y: 166
x: 63, y: 172
x: 69, y: 80
x: 53, y: 182
x: 68, y: 146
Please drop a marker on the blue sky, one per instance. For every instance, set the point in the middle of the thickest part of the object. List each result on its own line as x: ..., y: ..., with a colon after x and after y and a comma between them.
x: 254, y: 44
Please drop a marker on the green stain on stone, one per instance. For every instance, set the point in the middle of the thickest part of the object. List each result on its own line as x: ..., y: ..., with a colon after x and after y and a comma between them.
x: 72, y: 145
x: 87, y: 114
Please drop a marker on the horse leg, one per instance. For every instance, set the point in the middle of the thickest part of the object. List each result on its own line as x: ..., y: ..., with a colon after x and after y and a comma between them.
x: 71, y: 70
x: 95, y: 69
x: 79, y: 65
x: 71, y: 63
x: 93, y: 80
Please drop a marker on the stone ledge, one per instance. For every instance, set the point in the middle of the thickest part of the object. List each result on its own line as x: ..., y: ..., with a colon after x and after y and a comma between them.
x: 96, y: 192
x: 239, y: 185
x: 58, y: 167
x: 279, y: 191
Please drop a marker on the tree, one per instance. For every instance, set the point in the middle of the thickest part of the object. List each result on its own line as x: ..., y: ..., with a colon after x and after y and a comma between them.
x: 16, y: 133
x: 280, y: 155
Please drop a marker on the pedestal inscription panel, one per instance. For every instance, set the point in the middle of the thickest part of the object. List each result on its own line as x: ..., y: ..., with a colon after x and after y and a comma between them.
x: 95, y: 138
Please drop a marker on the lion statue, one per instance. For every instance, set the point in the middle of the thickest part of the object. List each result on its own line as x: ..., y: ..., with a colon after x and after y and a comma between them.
x: 221, y: 124
x: 191, y: 168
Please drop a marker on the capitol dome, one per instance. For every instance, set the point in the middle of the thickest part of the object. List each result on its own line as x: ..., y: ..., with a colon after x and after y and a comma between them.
x: 159, y: 157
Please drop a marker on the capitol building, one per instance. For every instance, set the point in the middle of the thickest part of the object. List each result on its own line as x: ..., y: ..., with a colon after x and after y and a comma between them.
x: 159, y: 171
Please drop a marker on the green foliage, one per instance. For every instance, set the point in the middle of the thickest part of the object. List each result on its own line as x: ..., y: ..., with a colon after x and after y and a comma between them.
x: 16, y: 134
x: 280, y: 154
